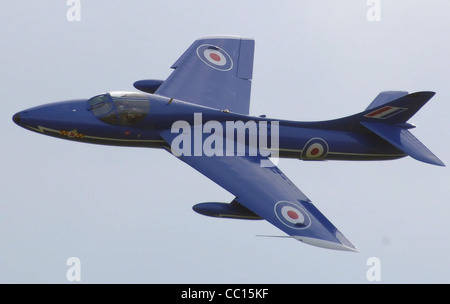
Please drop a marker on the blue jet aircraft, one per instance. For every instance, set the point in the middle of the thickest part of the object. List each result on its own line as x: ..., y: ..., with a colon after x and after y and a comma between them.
x: 212, y: 80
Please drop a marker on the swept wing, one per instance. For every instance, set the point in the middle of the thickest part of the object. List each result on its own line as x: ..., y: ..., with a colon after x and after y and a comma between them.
x: 214, y: 72
x: 269, y: 193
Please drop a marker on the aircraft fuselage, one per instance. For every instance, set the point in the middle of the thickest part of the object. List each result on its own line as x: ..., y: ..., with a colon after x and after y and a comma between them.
x: 136, y: 120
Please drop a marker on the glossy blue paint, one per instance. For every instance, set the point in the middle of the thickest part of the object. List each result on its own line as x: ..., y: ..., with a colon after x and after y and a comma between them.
x: 214, y: 72
x: 148, y: 85
x: 208, y: 92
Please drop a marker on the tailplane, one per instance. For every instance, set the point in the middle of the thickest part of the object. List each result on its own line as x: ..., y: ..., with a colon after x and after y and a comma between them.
x: 399, y: 110
x: 385, y: 97
x: 387, y: 117
x: 402, y: 139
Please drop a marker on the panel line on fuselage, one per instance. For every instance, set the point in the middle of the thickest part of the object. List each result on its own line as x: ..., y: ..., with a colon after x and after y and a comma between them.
x: 342, y: 153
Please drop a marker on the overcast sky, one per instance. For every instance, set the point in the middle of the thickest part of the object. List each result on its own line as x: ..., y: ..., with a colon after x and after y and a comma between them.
x: 126, y: 214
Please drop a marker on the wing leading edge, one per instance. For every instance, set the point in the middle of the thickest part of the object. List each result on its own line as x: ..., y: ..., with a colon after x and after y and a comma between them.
x: 214, y: 72
x: 267, y: 192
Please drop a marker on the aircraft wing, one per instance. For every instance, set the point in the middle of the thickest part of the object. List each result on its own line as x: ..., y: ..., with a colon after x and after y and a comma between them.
x: 214, y: 72
x: 267, y: 192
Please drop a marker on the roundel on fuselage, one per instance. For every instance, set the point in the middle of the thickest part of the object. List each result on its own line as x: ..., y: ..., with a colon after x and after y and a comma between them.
x: 315, y: 149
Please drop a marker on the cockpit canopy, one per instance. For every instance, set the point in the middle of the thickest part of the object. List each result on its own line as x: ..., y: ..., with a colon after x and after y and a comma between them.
x: 120, y: 108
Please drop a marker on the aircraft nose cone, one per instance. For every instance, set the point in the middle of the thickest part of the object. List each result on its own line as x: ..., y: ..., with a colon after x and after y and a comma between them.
x: 16, y: 118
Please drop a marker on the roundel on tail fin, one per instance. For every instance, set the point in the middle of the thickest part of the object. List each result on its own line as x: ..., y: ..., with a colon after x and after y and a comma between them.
x: 215, y: 57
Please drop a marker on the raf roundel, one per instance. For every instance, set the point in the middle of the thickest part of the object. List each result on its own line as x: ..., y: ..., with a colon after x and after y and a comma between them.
x: 292, y: 215
x: 316, y: 148
x: 215, y: 57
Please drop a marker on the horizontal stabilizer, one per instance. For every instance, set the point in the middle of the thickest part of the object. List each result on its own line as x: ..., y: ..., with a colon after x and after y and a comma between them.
x: 396, y: 111
x: 402, y: 139
x: 385, y: 97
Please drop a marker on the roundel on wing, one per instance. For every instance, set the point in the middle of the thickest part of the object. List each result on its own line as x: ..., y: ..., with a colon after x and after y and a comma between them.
x: 316, y: 148
x: 215, y: 57
x: 292, y: 215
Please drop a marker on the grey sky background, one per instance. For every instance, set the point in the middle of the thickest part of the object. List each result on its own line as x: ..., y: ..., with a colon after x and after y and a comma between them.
x: 126, y: 212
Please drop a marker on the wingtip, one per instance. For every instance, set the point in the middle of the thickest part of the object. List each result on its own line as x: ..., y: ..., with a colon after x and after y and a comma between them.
x: 441, y: 164
x: 342, y: 246
x: 318, y: 243
x: 432, y: 160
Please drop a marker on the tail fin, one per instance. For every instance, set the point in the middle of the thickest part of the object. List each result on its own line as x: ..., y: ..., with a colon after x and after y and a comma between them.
x: 387, y: 118
x: 396, y: 111
x: 385, y: 97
